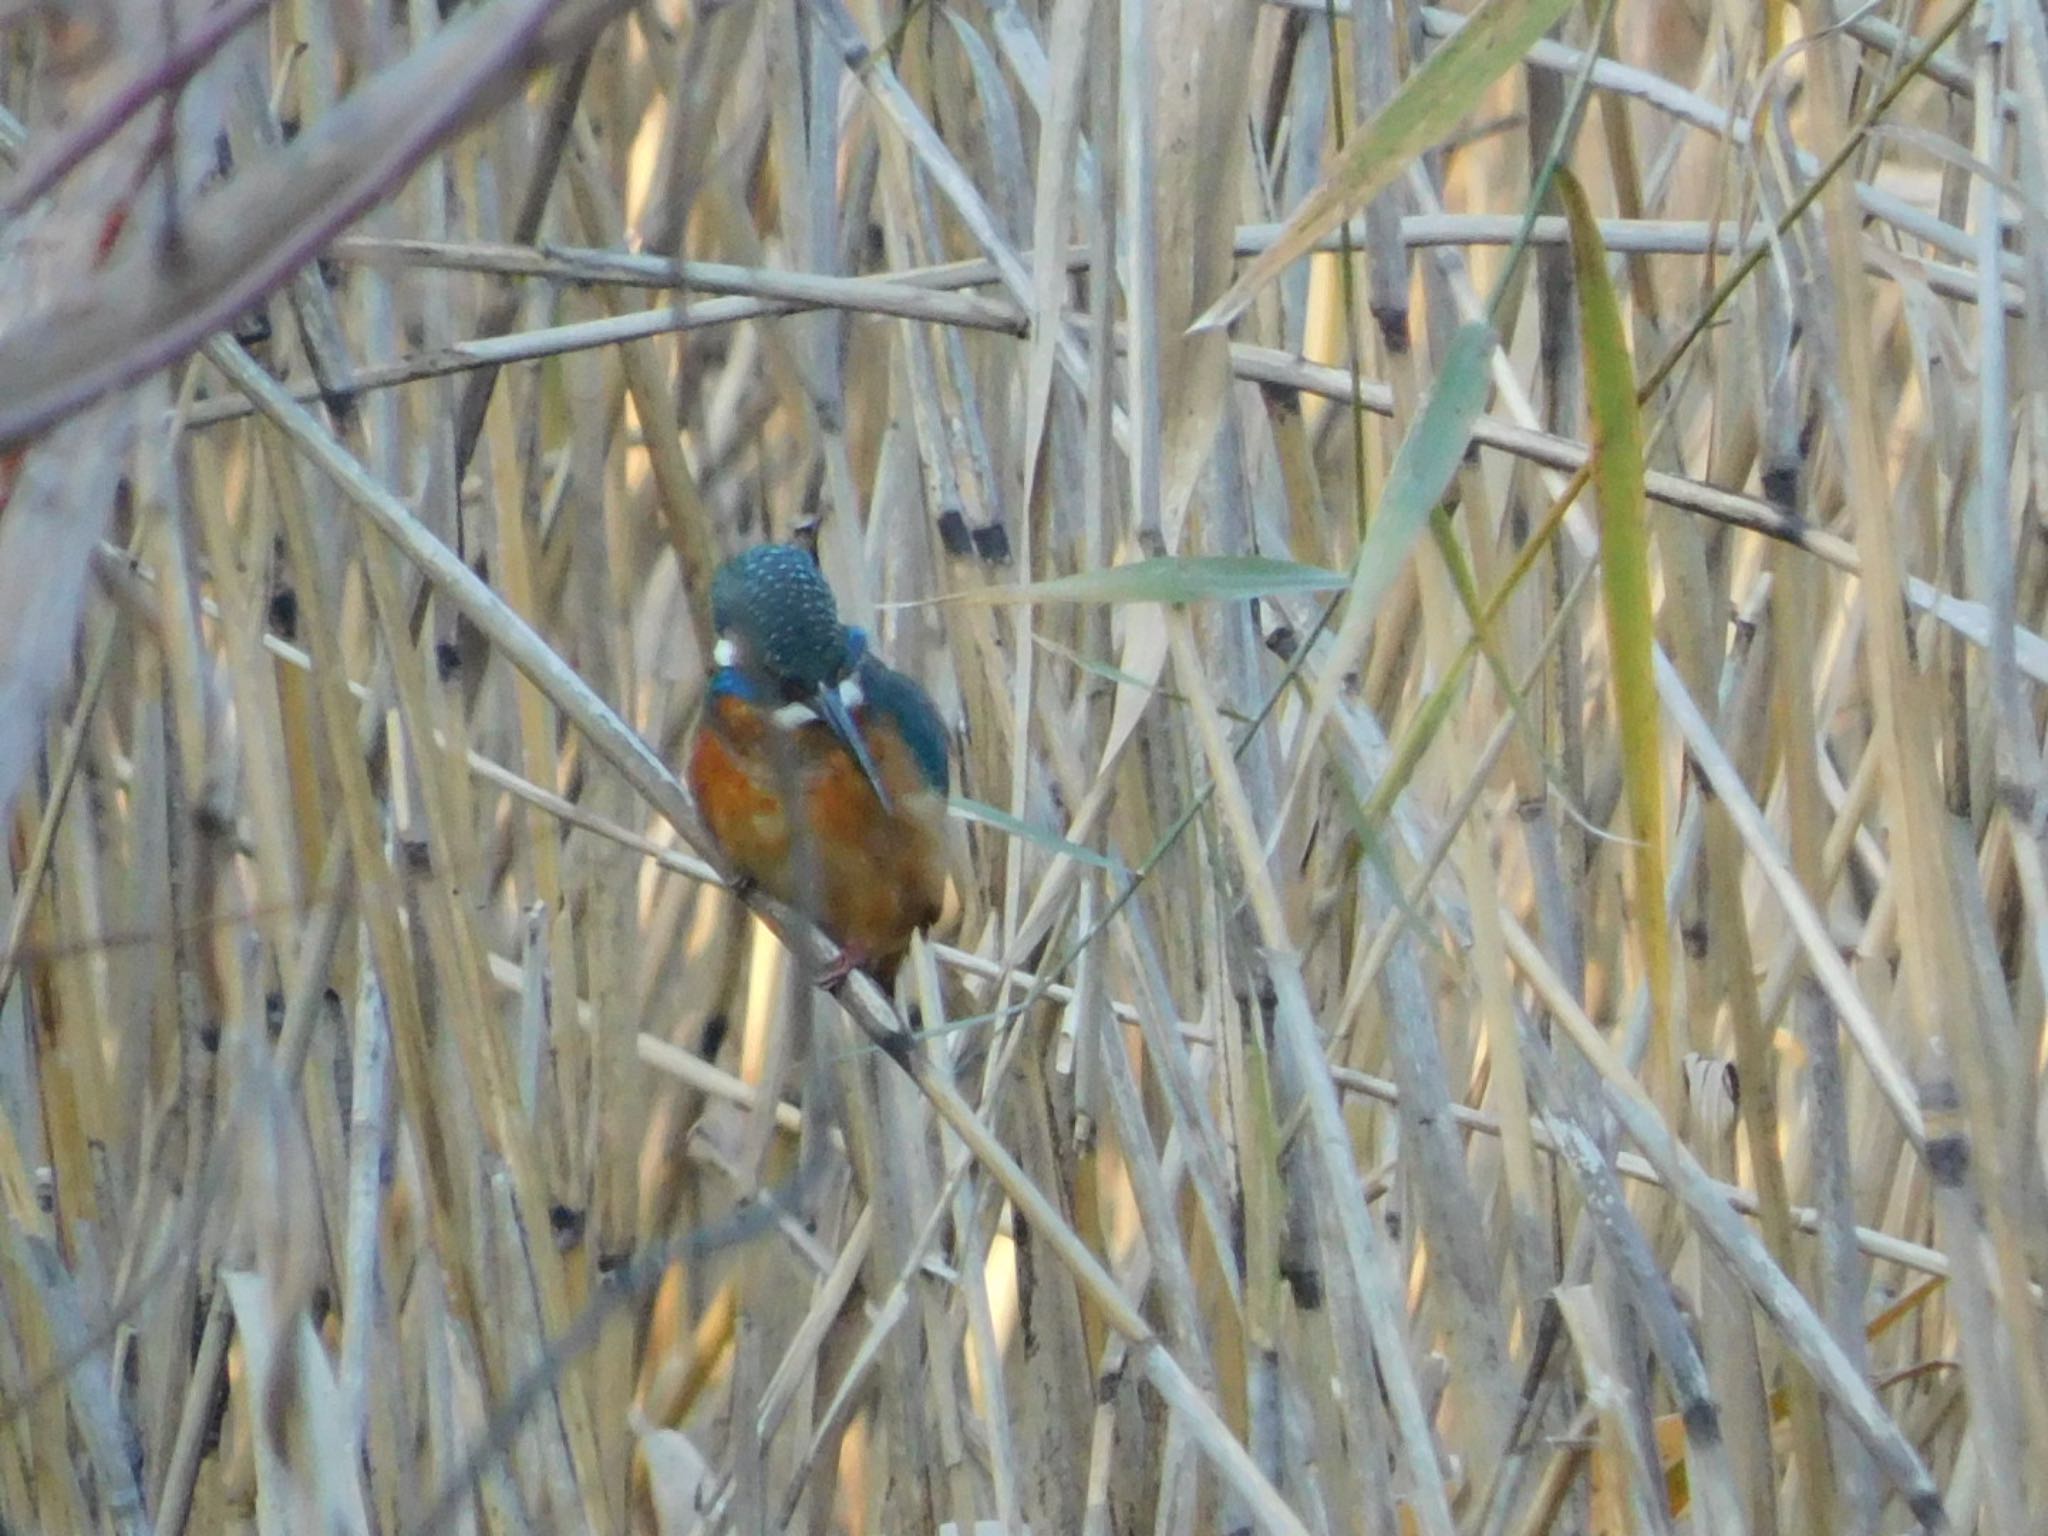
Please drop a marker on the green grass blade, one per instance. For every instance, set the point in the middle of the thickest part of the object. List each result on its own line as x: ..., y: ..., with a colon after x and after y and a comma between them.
x: 1003, y: 821
x: 1168, y: 579
x: 1625, y: 580
x: 1423, y: 466
x: 1422, y: 469
x: 1422, y: 113
x: 1117, y: 675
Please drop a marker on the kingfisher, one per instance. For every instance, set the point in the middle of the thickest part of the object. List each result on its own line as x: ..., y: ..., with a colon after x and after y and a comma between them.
x: 821, y: 772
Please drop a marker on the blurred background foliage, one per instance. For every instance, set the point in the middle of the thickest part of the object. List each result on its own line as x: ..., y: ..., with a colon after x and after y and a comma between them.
x: 1484, y: 573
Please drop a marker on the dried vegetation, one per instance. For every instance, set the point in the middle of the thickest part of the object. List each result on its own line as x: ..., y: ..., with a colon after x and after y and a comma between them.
x: 1493, y: 986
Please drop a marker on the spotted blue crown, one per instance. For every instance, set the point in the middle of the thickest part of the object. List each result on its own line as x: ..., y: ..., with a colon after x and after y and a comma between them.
x: 778, y: 623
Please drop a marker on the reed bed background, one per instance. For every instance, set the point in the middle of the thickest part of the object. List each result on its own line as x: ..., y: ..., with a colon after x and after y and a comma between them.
x: 1491, y: 985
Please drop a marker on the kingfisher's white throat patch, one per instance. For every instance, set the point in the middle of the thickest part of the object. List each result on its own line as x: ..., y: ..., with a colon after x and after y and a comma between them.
x: 791, y: 716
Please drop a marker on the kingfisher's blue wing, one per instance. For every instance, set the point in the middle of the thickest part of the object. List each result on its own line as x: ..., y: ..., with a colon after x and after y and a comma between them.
x: 893, y: 697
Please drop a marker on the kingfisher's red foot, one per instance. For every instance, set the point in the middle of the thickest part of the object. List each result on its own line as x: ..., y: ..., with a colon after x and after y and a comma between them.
x: 841, y: 967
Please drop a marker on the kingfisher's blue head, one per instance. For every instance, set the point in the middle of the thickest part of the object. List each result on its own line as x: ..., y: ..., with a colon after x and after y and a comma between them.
x: 777, y: 621
x: 781, y: 646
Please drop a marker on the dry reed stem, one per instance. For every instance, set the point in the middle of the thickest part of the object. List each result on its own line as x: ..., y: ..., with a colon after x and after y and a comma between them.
x: 401, y: 1120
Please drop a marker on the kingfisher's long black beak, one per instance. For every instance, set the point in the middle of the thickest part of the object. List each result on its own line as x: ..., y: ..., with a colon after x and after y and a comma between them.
x: 833, y: 711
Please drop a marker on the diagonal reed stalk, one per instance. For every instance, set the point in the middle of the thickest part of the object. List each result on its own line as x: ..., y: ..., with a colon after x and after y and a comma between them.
x: 1531, y: 1028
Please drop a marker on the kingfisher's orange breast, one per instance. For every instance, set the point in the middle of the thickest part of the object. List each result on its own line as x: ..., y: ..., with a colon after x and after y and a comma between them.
x: 738, y: 797
x: 885, y: 871
x: 867, y: 876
